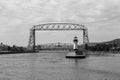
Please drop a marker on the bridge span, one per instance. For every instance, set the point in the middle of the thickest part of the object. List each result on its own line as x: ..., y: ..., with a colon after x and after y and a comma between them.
x: 56, y: 27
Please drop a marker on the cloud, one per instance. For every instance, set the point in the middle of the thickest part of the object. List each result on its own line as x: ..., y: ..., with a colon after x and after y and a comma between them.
x: 18, y: 16
x: 67, y: 10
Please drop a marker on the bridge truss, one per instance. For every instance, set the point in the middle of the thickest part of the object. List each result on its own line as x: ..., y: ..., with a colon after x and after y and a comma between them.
x: 56, y: 27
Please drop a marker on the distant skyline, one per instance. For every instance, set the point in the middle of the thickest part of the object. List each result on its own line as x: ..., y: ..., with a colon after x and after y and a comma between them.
x: 101, y: 17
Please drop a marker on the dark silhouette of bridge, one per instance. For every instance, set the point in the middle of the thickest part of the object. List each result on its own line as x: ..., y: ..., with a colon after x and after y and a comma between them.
x: 56, y: 27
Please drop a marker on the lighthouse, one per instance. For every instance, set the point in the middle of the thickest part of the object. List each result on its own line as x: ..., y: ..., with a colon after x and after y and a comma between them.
x: 76, y: 53
x: 75, y: 46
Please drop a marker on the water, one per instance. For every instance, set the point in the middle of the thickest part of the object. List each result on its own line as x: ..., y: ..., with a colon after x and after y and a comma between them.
x: 54, y: 66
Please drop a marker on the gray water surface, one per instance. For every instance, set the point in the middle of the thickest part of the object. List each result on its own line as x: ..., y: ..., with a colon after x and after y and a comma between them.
x: 54, y: 66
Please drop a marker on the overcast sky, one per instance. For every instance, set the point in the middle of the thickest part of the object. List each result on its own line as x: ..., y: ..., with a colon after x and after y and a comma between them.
x: 101, y: 17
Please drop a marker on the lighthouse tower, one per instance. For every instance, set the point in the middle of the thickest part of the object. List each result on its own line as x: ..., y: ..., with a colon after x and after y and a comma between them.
x: 76, y: 53
x: 75, y: 40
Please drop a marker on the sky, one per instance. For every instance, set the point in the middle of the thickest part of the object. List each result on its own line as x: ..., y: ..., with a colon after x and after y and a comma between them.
x: 101, y: 17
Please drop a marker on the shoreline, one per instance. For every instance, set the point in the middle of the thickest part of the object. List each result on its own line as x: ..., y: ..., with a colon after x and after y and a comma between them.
x: 14, y: 52
x: 96, y: 53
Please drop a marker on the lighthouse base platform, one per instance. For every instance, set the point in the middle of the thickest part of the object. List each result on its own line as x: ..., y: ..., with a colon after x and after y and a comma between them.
x: 78, y: 54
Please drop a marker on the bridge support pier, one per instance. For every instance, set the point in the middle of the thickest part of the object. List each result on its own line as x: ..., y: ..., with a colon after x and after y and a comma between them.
x: 85, y: 38
x: 31, y: 45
